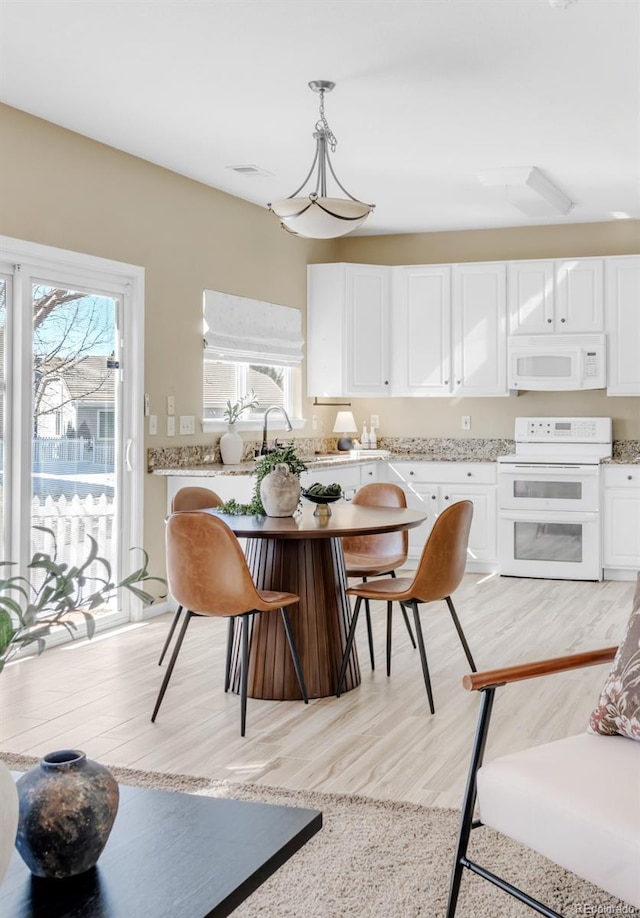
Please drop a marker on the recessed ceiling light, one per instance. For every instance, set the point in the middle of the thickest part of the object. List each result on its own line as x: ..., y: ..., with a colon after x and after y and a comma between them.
x: 249, y: 170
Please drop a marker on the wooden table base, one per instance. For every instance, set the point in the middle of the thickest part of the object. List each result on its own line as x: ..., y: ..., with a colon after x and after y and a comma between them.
x: 314, y: 570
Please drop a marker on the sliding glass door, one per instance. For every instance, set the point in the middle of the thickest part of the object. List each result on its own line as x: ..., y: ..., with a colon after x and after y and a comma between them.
x: 71, y: 415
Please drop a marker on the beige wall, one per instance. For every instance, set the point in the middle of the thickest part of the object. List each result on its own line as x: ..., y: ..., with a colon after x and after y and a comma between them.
x: 61, y: 189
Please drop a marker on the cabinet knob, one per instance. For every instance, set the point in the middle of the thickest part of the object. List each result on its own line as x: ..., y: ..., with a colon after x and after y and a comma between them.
x: 433, y: 497
x: 563, y: 320
x: 458, y: 382
x: 446, y: 382
x: 629, y: 477
x: 446, y: 497
x: 549, y: 321
x: 368, y: 473
x: 469, y: 474
x: 386, y: 382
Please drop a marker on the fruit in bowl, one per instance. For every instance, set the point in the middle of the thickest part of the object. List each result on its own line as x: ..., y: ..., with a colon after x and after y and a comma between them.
x: 323, y: 494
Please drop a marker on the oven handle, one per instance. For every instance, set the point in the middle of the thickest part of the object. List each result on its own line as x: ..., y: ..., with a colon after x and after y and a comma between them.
x: 572, y: 471
x: 549, y: 516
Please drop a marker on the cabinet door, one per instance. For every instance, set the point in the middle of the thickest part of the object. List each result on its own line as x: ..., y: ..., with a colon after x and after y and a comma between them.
x: 422, y: 497
x: 367, y: 330
x: 479, y: 330
x: 483, y: 537
x: 622, y: 528
x: 579, y: 295
x: 421, y: 323
x: 326, y: 329
x: 530, y: 286
x: 623, y: 325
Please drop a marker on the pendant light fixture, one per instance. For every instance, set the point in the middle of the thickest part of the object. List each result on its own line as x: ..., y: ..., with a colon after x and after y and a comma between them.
x: 315, y: 215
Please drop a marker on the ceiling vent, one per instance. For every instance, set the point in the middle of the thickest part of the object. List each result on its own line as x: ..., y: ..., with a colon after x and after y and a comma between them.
x: 249, y: 170
x: 528, y: 190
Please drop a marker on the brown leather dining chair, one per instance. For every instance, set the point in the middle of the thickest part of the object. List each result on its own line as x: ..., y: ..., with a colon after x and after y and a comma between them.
x: 377, y: 555
x: 190, y: 498
x: 207, y: 573
x: 438, y: 575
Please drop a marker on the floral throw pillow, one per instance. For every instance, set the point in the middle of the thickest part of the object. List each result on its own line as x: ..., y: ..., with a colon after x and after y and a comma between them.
x: 618, y: 709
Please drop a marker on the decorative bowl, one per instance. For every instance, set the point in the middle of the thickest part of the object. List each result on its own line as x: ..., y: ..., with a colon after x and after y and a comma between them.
x: 322, y: 498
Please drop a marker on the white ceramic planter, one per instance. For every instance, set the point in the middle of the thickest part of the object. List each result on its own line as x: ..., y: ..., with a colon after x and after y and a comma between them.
x: 8, y: 818
x: 231, y: 446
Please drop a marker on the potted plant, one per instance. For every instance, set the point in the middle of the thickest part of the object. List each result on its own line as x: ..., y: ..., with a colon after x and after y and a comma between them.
x: 56, y: 595
x: 231, y: 443
x: 266, y: 466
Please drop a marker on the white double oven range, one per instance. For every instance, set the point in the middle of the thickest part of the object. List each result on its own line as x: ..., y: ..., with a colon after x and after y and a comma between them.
x: 550, y: 498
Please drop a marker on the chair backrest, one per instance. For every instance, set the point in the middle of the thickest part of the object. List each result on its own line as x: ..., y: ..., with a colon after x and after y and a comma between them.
x: 379, y: 494
x: 444, y: 556
x: 195, y: 499
x: 206, y: 568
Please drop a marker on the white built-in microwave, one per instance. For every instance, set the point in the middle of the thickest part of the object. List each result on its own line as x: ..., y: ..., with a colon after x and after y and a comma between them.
x: 557, y: 362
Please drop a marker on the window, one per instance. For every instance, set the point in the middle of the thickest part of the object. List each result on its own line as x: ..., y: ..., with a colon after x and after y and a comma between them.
x: 250, y: 346
x: 106, y: 428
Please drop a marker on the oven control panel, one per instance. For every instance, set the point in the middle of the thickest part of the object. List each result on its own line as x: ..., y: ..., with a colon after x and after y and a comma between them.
x: 563, y: 430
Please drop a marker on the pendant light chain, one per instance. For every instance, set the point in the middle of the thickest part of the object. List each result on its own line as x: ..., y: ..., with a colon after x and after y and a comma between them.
x: 323, y: 125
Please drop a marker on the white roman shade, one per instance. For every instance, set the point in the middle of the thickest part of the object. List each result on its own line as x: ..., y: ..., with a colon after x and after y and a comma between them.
x: 251, y: 331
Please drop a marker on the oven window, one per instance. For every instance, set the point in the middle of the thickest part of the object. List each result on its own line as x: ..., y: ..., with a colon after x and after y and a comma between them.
x: 548, y: 490
x: 548, y: 542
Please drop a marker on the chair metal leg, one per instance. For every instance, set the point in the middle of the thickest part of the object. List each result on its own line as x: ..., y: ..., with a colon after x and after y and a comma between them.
x: 230, y: 634
x: 294, y: 654
x: 347, y: 651
x: 172, y: 663
x: 244, y: 672
x: 466, y: 818
x: 423, y: 656
x: 407, y: 622
x: 367, y: 609
x: 389, y: 623
x: 172, y: 628
x: 463, y: 640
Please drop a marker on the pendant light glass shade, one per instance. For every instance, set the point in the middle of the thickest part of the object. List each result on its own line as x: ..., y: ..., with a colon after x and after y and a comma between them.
x: 317, y: 215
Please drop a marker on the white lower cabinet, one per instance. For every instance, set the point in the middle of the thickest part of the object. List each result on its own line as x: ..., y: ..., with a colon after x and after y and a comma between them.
x: 621, y: 518
x: 433, y: 486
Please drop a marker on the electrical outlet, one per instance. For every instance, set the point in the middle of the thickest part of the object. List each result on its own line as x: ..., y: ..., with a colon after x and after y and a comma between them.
x: 153, y: 425
x: 187, y: 424
x: 466, y: 422
x: 171, y: 405
x: 375, y: 421
x: 171, y: 426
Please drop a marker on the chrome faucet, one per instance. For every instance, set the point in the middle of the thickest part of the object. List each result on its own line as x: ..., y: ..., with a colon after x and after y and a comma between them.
x: 264, y: 448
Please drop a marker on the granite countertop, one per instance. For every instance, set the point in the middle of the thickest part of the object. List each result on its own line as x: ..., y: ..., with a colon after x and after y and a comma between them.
x: 191, y: 461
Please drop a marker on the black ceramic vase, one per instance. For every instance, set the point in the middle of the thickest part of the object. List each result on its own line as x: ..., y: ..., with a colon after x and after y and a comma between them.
x: 68, y: 805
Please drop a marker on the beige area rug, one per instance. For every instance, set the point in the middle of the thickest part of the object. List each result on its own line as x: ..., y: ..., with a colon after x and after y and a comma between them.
x: 384, y: 860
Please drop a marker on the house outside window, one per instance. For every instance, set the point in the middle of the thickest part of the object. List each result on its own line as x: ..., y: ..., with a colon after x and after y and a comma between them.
x: 106, y: 424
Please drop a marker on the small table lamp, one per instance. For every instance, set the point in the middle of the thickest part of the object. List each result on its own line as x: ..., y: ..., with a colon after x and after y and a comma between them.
x: 345, y: 424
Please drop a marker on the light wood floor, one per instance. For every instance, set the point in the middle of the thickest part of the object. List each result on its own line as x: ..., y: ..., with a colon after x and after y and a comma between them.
x: 379, y: 740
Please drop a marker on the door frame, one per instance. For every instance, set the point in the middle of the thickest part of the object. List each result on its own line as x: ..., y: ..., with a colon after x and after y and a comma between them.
x: 119, y: 279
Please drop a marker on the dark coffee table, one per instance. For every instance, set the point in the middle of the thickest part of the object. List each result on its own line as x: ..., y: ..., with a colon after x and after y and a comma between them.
x: 170, y: 855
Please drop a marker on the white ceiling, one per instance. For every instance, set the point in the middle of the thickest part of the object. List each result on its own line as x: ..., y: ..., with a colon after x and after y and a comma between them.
x: 429, y: 93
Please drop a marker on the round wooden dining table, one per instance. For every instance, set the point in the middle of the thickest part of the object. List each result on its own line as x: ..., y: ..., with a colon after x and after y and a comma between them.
x: 302, y: 554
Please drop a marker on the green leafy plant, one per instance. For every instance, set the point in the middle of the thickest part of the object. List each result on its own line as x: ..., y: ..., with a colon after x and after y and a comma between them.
x: 232, y: 412
x: 287, y: 456
x: 28, y: 612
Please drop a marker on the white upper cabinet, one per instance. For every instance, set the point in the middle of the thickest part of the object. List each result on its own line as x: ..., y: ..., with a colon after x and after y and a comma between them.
x: 556, y: 296
x: 348, y: 336
x: 479, y: 329
x: 623, y: 324
x: 421, y: 330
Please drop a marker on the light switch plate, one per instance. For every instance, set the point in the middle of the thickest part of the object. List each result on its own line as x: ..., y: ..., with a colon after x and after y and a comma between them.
x: 153, y: 425
x: 187, y: 424
x: 375, y: 421
x: 466, y: 422
x: 171, y: 405
x: 171, y: 427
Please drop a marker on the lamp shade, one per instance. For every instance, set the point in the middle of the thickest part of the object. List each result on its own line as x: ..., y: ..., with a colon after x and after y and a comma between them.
x: 321, y: 218
x: 345, y: 422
